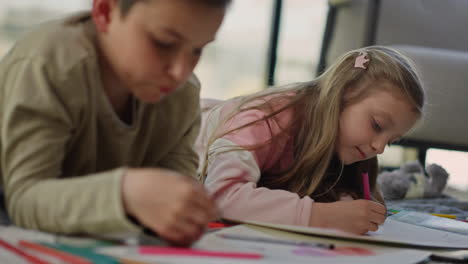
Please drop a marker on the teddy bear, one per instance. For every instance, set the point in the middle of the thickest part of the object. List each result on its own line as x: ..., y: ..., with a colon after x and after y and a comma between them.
x: 411, y: 182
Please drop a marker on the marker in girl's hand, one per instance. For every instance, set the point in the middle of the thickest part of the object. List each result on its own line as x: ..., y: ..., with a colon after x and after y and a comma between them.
x: 365, y: 186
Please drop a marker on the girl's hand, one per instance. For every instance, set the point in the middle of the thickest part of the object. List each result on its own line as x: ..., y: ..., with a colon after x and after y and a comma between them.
x: 356, y: 216
x: 174, y: 206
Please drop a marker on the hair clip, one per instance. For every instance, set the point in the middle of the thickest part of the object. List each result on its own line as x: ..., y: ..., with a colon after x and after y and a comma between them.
x: 361, y: 59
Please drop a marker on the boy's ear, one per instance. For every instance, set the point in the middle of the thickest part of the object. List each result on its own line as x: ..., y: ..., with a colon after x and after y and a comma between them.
x: 101, y: 13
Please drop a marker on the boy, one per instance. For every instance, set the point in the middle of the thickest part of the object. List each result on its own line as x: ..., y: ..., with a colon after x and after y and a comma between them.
x: 99, y: 113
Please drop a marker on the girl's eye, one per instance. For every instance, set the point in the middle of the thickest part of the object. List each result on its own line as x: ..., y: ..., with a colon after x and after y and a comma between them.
x: 376, y: 126
x: 163, y: 45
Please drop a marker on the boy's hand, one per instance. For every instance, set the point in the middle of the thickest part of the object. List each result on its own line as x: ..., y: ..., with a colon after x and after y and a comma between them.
x: 175, y: 206
x: 356, y: 216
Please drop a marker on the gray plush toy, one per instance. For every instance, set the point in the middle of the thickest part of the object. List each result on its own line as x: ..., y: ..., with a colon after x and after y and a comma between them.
x: 410, y: 181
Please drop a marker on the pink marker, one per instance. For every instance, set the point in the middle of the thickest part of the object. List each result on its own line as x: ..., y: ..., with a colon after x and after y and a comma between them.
x: 365, y: 186
x: 188, y: 252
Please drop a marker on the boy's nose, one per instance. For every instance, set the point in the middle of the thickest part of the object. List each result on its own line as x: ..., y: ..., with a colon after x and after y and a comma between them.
x: 180, y: 67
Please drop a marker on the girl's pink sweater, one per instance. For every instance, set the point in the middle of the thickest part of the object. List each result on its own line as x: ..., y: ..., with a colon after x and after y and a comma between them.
x: 233, y: 175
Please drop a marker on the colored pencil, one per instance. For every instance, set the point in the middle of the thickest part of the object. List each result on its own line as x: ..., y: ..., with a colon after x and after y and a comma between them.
x: 131, y: 261
x: 446, y: 216
x: 85, y: 253
x: 277, y: 241
x: 30, y: 258
x: 188, y: 252
x: 218, y: 225
x: 392, y: 212
x: 67, y: 257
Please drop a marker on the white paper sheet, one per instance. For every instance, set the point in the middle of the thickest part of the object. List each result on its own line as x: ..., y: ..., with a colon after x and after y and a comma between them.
x: 393, y: 232
x: 273, y: 253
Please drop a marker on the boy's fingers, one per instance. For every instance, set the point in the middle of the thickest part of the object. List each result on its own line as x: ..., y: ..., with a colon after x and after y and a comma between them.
x: 205, y: 203
x: 199, y: 217
x: 197, y: 211
x: 183, y: 232
x: 188, y: 230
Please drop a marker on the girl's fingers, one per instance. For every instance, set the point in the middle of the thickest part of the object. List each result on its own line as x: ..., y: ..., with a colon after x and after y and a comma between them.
x: 373, y: 227
x: 377, y: 218
x: 378, y: 208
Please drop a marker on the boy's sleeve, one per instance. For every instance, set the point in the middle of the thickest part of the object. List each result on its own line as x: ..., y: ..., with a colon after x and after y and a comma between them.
x: 233, y: 175
x: 35, y: 129
x: 182, y: 157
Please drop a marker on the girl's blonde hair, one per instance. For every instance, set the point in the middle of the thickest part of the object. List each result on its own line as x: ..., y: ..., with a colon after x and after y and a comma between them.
x: 317, y: 105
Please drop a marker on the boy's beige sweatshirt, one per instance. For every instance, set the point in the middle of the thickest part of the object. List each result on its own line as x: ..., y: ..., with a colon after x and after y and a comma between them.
x: 63, y: 148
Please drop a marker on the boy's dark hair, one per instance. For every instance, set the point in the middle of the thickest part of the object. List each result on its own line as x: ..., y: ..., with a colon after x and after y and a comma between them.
x: 126, y: 5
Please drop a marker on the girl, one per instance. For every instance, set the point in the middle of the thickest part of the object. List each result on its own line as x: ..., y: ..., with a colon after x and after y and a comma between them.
x: 98, y: 116
x: 296, y: 155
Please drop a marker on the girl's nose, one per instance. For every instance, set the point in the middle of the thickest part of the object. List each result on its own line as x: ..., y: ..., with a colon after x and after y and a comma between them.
x: 378, y: 145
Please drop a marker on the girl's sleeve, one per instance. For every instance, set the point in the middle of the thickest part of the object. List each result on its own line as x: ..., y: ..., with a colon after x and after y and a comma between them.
x: 232, y: 176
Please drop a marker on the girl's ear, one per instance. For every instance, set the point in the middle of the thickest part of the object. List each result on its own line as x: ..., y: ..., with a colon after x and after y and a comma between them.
x: 101, y: 13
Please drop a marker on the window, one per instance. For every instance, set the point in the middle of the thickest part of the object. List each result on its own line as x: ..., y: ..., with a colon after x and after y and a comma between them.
x: 395, y: 156
x: 456, y: 164
x: 20, y: 15
x: 236, y: 63
x: 302, y: 28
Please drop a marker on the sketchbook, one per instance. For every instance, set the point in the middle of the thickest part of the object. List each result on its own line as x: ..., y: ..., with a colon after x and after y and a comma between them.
x: 391, y: 232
